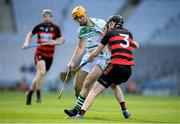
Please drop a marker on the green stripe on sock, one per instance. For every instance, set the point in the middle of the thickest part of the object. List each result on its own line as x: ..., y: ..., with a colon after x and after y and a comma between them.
x: 79, y: 102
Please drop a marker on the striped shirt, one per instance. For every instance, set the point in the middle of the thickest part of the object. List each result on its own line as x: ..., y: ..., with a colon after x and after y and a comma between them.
x: 46, y: 33
x: 90, y: 34
x: 120, y: 41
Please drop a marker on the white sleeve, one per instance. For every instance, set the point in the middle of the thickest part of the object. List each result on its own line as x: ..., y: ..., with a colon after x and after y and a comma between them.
x: 78, y: 32
x: 101, y: 23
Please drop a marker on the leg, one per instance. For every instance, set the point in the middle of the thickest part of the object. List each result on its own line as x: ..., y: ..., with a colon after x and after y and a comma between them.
x: 118, y: 94
x: 79, y: 79
x: 90, y: 79
x: 97, y: 89
x: 36, y: 84
x: 120, y: 98
x: 41, y: 72
x: 33, y: 86
x: 30, y: 92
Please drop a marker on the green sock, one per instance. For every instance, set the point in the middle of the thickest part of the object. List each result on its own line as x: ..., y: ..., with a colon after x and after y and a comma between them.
x: 79, y: 103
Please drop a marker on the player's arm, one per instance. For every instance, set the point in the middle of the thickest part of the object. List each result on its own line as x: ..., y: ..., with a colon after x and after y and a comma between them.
x: 133, y: 43
x: 29, y: 36
x: 59, y: 38
x: 104, y: 31
x: 79, y: 51
x: 58, y: 41
x: 96, y: 52
x: 27, y: 40
x: 100, y: 47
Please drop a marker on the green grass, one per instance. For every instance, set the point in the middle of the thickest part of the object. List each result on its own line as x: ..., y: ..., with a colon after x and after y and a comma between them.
x: 144, y: 109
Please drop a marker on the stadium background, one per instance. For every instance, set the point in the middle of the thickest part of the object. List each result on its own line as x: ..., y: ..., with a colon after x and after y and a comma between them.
x: 155, y: 25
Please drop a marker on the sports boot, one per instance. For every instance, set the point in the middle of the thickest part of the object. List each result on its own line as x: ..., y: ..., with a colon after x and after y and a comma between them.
x: 38, y: 96
x: 28, y: 97
x: 76, y: 117
x: 126, y: 114
x: 71, y: 112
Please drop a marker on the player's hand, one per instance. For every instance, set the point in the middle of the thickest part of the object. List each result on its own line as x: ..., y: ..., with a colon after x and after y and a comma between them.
x: 70, y: 66
x: 25, y: 46
x: 104, y: 31
x: 52, y: 43
x: 90, y: 58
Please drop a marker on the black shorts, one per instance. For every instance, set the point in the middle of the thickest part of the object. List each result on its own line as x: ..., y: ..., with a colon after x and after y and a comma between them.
x: 48, y: 60
x: 114, y: 74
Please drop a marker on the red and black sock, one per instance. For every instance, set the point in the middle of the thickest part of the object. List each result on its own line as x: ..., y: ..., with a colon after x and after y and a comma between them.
x: 82, y: 112
x: 123, y: 106
x: 38, y: 92
x: 30, y: 92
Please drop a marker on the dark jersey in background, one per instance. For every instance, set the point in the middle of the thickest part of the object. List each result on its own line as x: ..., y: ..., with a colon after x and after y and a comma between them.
x: 46, y: 33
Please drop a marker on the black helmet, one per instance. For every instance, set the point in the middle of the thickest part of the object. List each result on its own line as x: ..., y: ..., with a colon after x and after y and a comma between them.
x: 117, y: 19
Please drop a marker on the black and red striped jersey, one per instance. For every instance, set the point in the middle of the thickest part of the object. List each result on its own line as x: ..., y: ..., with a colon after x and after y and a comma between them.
x: 120, y: 41
x: 46, y: 33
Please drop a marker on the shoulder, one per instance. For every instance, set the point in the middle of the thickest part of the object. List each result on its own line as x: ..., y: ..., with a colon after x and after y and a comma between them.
x: 37, y: 27
x: 40, y: 24
x: 111, y: 33
x: 97, y: 21
x: 126, y: 31
x: 55, y: 25
x: 80, y: 29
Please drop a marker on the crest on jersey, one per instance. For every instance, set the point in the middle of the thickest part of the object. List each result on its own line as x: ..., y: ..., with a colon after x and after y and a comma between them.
x: 41, y: 28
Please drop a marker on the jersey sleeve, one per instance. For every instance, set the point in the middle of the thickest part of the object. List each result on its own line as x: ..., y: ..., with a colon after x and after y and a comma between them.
x: 58, y: 32
x: 102, y: 23
x: 105, y: 39
x: 78, y: 33
x: 35, y: 29
x: 130, y: 35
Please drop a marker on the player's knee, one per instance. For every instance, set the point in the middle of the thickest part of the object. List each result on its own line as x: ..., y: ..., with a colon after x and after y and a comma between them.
x: 87, y: 84
x: 42, y: 73
x: 94, y: 93
x: 77, y: 89
x: 113, y: 86
x: 88, y: 81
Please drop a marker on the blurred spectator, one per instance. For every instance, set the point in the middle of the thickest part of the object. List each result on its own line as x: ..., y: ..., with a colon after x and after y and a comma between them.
x: 22, y: 85
x: 132, y: 88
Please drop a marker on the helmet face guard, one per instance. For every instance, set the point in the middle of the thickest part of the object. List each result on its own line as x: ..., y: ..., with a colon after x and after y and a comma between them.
x: 117, y: 19
x: 78, y: 12
x: 47, y: 12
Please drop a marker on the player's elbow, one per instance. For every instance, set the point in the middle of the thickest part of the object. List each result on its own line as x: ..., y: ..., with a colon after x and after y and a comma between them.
x: 61, y: 40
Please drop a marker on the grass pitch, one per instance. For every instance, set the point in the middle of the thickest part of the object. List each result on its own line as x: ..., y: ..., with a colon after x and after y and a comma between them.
x: 144, y: 109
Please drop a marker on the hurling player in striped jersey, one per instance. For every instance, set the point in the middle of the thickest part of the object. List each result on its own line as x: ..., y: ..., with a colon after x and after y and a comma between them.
x: 48, y: 35
x: 90, y: 34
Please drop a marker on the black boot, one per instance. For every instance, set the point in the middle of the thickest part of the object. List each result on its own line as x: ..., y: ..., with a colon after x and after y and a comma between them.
x: 29, y: 97
x: 71, y: 112
x: 38, y: 96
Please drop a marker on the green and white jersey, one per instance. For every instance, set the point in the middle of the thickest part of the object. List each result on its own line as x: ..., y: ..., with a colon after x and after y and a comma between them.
x: 90, y: 34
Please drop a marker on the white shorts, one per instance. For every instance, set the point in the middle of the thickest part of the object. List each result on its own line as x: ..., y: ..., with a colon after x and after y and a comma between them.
x: 102, y: 61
